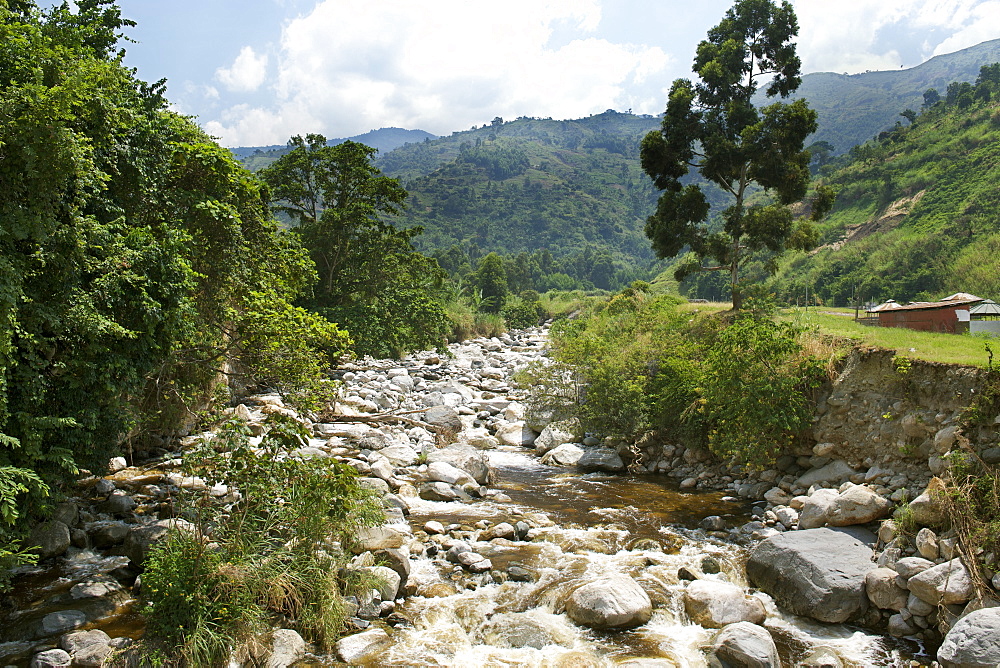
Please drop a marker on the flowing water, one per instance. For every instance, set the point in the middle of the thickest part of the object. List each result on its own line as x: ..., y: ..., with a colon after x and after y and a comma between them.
x: 600, y: 524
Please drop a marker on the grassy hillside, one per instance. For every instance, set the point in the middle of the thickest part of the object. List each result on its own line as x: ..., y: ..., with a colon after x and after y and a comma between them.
x: 854, y: 108
x: 918, y: 212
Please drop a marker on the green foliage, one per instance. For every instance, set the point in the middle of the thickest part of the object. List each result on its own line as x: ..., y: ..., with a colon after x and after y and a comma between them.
x: 914, y: 217
x: 371, y: 279
x: 741, y: 386
x: 265, y: 558
x: 714, y: 127
x: 757, y: 393
x: 492, y: 282
x: 132, y: 249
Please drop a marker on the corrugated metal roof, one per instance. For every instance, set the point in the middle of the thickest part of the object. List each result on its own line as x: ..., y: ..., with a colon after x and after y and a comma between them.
x: 919, y: 306
x: 986, y: 307
x: 962, y: 297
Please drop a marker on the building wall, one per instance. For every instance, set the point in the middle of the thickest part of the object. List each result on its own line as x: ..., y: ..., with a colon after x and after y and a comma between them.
x: 924, y: 320
x: 990, y: 326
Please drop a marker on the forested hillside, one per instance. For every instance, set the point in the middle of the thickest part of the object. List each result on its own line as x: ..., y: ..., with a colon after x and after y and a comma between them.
x: 854, y: 108
x: 916, y: 216
x: 572, y: 190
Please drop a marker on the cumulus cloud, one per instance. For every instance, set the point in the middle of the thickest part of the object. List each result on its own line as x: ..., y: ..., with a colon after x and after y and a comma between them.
x: 852, y: 37
x: 246, y: 74
x: 357, y: 65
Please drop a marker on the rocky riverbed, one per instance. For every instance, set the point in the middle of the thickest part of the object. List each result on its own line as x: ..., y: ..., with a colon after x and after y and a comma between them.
x: 515, y: 540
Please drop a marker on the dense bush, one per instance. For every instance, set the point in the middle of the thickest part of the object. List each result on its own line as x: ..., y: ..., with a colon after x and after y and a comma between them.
x: 740, y: 385
x: 265, y: 559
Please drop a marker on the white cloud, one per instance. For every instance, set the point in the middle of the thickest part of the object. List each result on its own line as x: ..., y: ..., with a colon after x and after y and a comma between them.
x: 246, y: 74
x: 847, y: 38
x: 353, y: 65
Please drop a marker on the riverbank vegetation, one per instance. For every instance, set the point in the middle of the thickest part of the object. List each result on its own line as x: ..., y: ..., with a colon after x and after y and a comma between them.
x: 739, y: 384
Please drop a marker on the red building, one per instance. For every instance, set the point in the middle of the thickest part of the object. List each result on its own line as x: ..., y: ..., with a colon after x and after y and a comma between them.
x: 939, y: 316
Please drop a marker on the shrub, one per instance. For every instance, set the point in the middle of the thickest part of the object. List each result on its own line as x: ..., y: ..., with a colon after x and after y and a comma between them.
x: 270, y: 556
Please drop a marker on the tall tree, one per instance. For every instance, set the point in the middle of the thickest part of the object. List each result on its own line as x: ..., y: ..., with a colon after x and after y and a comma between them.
x: 713, y: 128
x: 372, y: 280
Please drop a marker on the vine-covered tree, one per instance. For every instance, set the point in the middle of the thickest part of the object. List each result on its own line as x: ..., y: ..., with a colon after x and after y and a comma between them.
x: 713, y: 128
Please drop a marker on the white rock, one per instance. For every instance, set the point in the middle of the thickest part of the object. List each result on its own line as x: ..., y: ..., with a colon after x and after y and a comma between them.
x: 714, y: 604
x: 353, y: 649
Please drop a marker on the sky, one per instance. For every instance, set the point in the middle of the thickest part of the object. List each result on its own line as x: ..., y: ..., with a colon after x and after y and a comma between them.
x: 255, y: 72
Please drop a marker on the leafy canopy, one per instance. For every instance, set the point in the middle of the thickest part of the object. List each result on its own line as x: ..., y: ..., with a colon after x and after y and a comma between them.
x: 713, y: 128
x: 372, y: 280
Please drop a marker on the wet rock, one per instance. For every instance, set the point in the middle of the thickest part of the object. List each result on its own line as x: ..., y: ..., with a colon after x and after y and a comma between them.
x: 370, y: 539
x: 745, y: 645
x: 556, y: 434
x: 601, y: 459
x: 88, y: 648
x: 714, y: 604
x: 685, y: 574
x: 946, y: 584
x: 94, y: 588
x: 64, y: 620
x: 613, y: 602
x: 519, y: 574
x: 973, y: 641
x: 353, y: 649
x: 141, y: 538
x: 567, y: 454
x: 287, y: 647
x: 50, y: 539
x: 713, y: 523
x: 858, y: 505
x: 521, y: 629
x: 437, y: 590
x: 53, y: 658
x: 434, y: 527
x: 883, y: 591
x: 710, y: 565
x: 502, y: 530
x: 818, y: 573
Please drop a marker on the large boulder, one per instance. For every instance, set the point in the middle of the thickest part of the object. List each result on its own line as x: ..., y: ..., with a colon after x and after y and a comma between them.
x: 715, y: 604
x: 141, y: 539
x: 818, y: 573
x: 464, y: 457
x: 858, y: 505
x: 612, y: 602
x: 516, y: 433
x: 445, y: 472
x: 557, y: 433
x: 524, y: 629
x: 745, y: 645
x: 369, y: 539
x: 973, y: 641
x: 50, y: 539
x: 445, y: 418
x: 88, y: 648
x: 601, y: 459
x: 948, y: 583
x: 567, y: 454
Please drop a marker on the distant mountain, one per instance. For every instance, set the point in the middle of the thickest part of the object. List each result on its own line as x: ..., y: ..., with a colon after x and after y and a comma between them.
x: 853, y: 108
x: 383, y: 139
x: 532, y: 184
